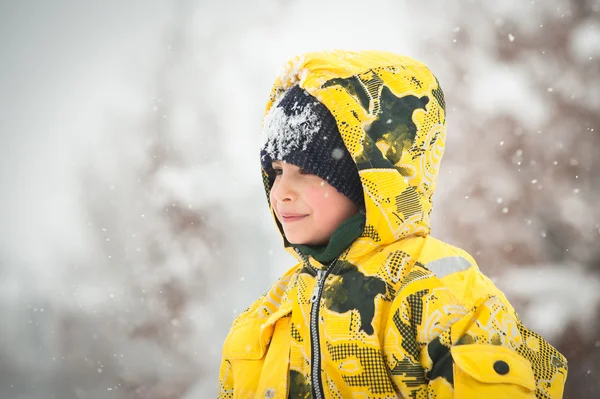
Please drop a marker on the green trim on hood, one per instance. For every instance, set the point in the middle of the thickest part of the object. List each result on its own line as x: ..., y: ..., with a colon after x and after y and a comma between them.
x: 342, y: 238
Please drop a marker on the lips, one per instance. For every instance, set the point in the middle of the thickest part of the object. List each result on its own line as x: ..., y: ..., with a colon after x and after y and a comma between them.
x: 291, y: 217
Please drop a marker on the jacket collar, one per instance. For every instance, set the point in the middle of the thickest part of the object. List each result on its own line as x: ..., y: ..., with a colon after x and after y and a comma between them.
x: 341, y: 239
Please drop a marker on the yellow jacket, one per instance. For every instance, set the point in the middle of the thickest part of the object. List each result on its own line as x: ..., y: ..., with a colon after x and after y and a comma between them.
x: 400, y: 313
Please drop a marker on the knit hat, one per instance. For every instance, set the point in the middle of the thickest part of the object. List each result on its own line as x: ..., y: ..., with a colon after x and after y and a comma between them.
x: 301, y: 131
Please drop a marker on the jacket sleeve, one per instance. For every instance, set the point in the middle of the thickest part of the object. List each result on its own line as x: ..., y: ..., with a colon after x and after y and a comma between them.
x: 436, y: 348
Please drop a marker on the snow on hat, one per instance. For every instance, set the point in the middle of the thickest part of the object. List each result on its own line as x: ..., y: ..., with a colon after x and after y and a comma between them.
x: 301, y: 131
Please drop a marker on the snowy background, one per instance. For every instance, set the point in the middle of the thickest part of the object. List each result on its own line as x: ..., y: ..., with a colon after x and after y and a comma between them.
x: 133, y: 223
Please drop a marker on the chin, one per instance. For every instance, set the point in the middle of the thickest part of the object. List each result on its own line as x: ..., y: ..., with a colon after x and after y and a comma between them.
x: 303, y: 239
x: 297, y: 241
x: 306, y: 241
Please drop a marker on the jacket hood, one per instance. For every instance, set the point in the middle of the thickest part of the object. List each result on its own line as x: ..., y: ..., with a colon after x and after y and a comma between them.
x: 390, y: 112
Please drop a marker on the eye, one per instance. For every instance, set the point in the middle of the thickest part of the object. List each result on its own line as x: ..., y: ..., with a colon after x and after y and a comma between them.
x: 277, y: 171
x: 303, y: 172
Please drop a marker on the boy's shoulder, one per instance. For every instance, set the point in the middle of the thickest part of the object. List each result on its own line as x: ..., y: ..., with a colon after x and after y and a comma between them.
x: 458, y: 271
x: 275, y: 300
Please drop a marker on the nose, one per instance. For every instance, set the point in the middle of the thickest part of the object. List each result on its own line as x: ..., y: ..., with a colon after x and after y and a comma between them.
x: 282, y: 190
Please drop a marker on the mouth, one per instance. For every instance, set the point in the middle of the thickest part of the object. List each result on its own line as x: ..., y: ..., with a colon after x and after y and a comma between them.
x: 291, y: 217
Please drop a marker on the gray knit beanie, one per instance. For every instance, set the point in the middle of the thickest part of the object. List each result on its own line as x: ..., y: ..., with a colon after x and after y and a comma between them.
x: 301, y: 131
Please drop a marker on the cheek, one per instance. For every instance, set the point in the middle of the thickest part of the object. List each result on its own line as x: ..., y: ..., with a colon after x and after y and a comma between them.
x: 330, y: 207
x: 322, y: 200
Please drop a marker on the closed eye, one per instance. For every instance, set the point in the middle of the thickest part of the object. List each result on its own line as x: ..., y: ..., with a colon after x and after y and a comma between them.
x: 278, y: 171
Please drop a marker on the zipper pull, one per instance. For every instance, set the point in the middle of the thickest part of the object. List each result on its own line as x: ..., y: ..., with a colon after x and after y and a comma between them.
x: 315, y: 294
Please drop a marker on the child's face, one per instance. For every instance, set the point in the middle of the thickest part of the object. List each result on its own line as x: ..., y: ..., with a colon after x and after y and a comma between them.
x: 308, y: 208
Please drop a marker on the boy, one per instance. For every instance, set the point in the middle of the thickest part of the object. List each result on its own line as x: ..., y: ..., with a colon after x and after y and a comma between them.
x: 376, y: 307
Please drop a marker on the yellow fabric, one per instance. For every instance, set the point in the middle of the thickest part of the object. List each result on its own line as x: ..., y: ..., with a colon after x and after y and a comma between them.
x: 401, y: 312
x: 477, y: 362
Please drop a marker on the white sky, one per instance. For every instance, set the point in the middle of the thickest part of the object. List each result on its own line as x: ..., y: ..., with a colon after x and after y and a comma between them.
x: 62, y: 63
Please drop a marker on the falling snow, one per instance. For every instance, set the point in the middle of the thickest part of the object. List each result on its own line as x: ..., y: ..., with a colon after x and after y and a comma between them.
x: 135, y: 226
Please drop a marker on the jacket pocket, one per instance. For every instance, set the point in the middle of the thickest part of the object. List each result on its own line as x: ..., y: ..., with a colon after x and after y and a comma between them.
x: 244, y: 341
x: 250, y: 338
x: 258, y: 351
x: 490, y: 371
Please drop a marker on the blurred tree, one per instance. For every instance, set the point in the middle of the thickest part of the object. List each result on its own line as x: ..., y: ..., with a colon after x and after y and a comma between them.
x: 153, y: 196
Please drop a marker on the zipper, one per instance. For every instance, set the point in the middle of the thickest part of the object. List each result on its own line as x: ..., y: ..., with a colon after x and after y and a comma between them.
x: 315, y: 300
x: 316, y: 383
